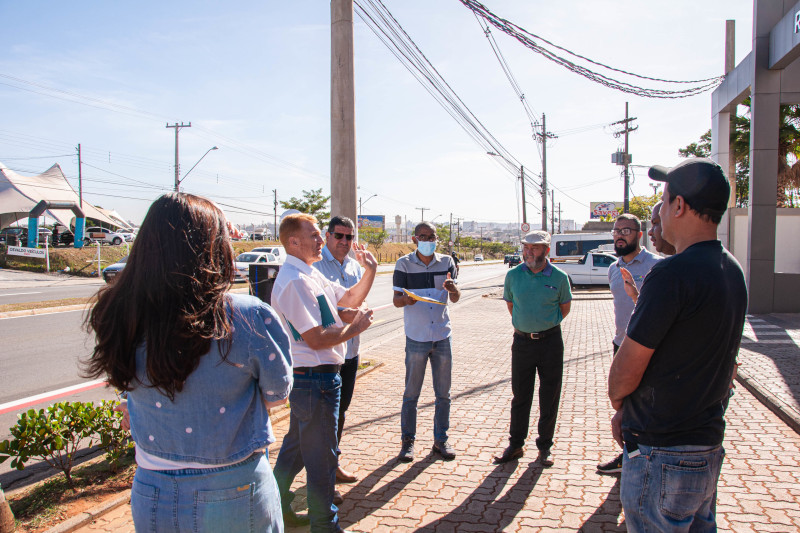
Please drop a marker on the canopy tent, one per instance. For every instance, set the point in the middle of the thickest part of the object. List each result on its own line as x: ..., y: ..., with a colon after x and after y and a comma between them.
x: 19, y: 194
x: 117, y: 218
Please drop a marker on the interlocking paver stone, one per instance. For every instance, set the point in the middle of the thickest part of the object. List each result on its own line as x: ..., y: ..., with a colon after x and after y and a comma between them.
x: 759, y: 489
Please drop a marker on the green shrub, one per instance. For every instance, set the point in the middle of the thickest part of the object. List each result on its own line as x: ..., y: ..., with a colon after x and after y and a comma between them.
x: 54, y: 435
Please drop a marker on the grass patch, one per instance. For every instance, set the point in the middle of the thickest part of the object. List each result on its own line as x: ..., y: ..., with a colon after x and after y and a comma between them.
x: 50, y: 502
x: 43, y: 305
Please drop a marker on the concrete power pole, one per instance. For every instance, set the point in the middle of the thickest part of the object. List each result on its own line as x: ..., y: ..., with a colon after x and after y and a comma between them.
x: 275, y: 212
x: 343, y: 118
x: 626, y: 157
x: 177, y: 165
x: 522, y: 180
x: 559, y: 217
x: 543, y: 138
x: 552, y: 211
x: 80, y: 178
x: 422, y: 213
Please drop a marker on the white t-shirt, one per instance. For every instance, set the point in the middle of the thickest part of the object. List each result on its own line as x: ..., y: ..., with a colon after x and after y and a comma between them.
x: 304, y: 299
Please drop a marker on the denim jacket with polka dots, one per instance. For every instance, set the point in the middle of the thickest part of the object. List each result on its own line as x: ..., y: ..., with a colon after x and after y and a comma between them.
x: 219, y: 417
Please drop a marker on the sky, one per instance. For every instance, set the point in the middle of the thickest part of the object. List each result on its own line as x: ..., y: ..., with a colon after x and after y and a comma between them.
x: 253, y: 78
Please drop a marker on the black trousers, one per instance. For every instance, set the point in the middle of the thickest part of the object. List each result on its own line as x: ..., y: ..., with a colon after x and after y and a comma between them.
x: 348, y: 373
x: 529, y: 357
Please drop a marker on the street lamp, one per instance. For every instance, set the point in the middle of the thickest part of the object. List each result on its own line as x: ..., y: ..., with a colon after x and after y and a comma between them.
x: 360, y: 203
x: 178, y: 183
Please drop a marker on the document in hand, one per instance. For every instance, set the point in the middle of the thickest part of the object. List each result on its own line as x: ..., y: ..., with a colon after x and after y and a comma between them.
x: 419, y: 298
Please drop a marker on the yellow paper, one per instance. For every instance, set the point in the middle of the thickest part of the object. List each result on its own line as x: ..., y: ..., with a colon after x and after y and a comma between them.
x: 419, y: 298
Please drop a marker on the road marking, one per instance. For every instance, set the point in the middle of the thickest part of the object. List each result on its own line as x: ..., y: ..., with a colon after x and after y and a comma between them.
x: 48, y: 396
x: 19, y: 294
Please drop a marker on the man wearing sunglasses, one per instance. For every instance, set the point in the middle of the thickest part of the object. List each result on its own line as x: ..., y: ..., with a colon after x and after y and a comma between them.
x: 637, y: 261
x: 337, y: 265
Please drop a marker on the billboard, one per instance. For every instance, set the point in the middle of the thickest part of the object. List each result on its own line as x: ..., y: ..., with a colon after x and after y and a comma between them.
x: 604, y: 209
x: 372, y: 221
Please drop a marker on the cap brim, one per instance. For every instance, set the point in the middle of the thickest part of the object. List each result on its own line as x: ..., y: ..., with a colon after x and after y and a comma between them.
x: 658, y: 173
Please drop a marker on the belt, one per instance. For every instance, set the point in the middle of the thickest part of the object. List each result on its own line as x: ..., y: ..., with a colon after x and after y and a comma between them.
x: 539, y: 335
x: 319, y: 369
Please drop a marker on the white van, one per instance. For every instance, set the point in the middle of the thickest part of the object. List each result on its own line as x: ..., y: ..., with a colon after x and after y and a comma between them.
x: 569, y: 246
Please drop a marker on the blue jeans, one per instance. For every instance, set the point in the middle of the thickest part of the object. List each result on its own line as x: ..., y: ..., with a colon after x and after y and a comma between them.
x: 671, y: 488
x: 417, y: 355
x: 237, y: 498
x: 311, y: 443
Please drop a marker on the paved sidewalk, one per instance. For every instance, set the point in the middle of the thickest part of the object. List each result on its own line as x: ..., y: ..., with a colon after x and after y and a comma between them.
x: 759, y: 488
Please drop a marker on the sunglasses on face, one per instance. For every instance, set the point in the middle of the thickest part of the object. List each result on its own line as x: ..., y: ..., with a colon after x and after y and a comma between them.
x: 339, y: 236
x: 624, y: 232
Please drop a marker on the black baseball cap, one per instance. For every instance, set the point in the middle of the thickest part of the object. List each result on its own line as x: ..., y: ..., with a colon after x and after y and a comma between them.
x: 700, y: 181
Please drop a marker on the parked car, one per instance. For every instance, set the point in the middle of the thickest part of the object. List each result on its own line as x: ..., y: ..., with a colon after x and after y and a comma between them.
x: 14, y: 236
x: 278, y: 251
x: 103, y: 236
x: 244, y: 260
x: 111, y: 272
x: 514, y: 260
x: 260, y: 235
x: 127, y: 235
x: 591, y: 269
x: 478, y: 257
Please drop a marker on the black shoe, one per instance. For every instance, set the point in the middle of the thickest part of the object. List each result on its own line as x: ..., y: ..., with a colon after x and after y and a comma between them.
x: 544, y: 458
x: 407, y: 451
x: 444, y: 449
x: 509, y: 454
x: 292, y: 519
x: 612, y: 467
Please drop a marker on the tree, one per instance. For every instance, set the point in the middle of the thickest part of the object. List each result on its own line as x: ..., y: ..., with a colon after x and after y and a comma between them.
x: 313, y: 203
x: 374, y: 236
x: 788, y: 154
x: 642, y: 206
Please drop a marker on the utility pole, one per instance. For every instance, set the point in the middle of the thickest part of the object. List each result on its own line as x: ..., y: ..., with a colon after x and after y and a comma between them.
x: 343, y: 115
x: 522, y: 180
x: 422, y: 213
x: 450, y: 233
x: 626, y: 158
x: 177, y: 165
x: 559, y: 217
x: 275, y: 212
x: 552, y: 211
x: 481, y: 228
x: 80, y: 178
x: 542, y: 137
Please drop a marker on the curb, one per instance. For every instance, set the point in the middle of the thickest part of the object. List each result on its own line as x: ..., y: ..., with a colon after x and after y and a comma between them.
x: 123, y: 498
x: 763, y: 395
x: 44, y: 310
x: 92, y: 514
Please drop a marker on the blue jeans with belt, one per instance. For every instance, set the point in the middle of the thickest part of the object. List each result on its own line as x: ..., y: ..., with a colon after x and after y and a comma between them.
x: 235, y: 499
x: 671, y: 488
x: 417, y: 356
x: 311, y: 443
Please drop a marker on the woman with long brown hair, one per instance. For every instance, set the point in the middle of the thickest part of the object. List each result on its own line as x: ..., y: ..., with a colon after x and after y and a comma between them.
x: 201, y: 366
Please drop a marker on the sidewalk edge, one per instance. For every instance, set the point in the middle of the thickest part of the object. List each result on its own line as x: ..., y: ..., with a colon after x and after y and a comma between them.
x: 763, y: 395
x: 86, y: 517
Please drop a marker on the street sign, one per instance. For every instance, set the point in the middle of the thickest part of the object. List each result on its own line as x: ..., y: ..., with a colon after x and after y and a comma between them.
x: 525, y: 227
x: 27, y: 252
x: 449, y: 243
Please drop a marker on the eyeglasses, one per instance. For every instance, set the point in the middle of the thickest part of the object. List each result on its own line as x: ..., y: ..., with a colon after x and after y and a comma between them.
x: 624, y: 232
x: 427, y: 238
x: 339, y: 236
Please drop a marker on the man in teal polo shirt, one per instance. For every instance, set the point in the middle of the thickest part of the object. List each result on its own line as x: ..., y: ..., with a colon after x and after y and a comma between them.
x: 539, y: 298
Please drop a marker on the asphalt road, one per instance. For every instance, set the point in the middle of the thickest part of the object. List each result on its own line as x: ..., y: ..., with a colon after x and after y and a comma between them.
x: 43, y: 352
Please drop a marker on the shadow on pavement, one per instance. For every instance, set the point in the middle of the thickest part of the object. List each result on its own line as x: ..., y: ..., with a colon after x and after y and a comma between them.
x: 484, y: 509
x: 601, y: 518
x: 364, y: 499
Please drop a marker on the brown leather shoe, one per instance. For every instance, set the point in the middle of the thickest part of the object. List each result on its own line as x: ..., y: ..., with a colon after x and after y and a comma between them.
x: 343, y: 476
x: 544, y: 459
x: 509, y: 454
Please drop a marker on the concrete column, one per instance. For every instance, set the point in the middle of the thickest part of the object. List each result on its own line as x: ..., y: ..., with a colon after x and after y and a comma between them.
x: 343, y: 118
x: 721, y: 154
x: 765, y: 118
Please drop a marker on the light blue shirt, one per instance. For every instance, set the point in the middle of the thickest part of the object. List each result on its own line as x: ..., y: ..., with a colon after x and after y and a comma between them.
x: 346, y: 274
x: 425, y: 322
x: 623, y: 305
x: 219, y: 417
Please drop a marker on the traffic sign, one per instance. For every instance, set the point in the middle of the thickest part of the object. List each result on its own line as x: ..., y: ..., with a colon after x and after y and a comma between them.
x: 450, y: 243
x: 525, y: 227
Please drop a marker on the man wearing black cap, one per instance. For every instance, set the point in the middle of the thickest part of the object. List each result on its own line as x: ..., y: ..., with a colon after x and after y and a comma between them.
x: 670, y: 380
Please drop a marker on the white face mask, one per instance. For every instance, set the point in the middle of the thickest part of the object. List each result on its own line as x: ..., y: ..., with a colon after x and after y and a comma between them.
x: 426, y: 248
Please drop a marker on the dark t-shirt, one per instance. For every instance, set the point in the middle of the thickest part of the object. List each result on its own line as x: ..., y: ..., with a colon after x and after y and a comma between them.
x: 691, y: 311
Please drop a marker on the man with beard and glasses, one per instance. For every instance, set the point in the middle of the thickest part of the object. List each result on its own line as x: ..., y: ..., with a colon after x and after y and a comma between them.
x: 629, y: 270
x: 539, y: 298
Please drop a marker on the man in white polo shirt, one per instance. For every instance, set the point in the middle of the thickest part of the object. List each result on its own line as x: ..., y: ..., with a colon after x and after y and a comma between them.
x: 307, y: 303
